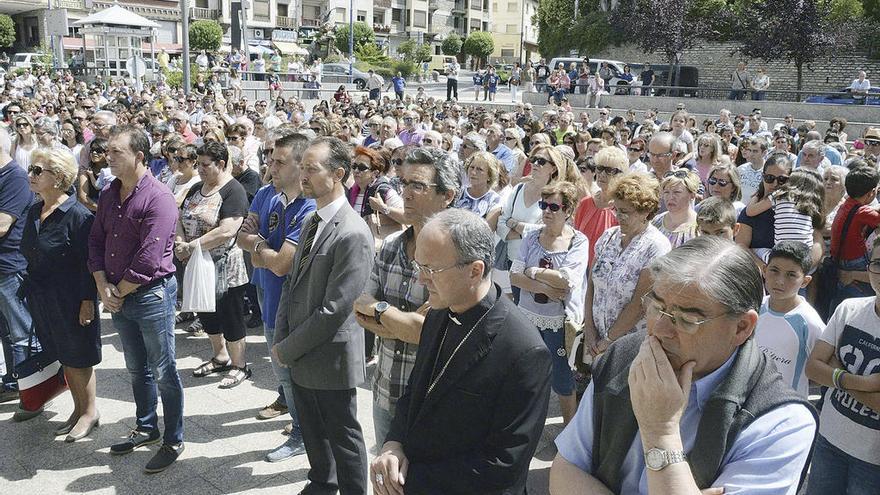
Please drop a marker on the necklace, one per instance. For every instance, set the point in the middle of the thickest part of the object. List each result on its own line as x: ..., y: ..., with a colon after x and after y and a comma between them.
x: 454, y: 351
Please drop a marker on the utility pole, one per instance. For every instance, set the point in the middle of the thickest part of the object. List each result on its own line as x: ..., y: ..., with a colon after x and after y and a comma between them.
x: 350, y: 41
x: 187, y: 81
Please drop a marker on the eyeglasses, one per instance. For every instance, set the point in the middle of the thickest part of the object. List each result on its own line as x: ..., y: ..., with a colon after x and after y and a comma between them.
x: 604, y: 114
x: 234, y: 138
x: 554, y: 207
x: 22, y: 125
x: 430, y: 272
x: 654, y: 310
x: 428, y: 141
x: 540, y: 161
x: 585, y: 168
x: 171, y: 150
x: 360, y: 168
x: 779, y: 179
x: 717, y: 182
x: 608, y: 170
x: 397, y: 162
x: 415, y: 186
x: 37, y: 170
x: 98, y: 151
x: 872, y: 142
x: 660, y: 155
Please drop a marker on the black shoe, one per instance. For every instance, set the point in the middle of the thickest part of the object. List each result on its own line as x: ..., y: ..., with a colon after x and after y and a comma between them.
x: 166, y: 456
x: 135, y: 439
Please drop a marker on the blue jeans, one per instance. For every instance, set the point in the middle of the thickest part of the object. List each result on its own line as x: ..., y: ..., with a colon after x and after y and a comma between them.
x: 835, y: 471
x: 855, y: 289
x: 562, y: 377
x: 736, y: 94
x: 381, y: 424
x: 285, y: 382
x: 146, y: 328
x: 15, y: 326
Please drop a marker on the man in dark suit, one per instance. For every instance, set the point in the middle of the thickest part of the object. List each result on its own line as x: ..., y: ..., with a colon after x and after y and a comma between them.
x: 316, y: 335
x: 476, y: 401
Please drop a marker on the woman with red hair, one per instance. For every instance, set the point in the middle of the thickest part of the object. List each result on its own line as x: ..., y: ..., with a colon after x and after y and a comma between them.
x: 369, y: 168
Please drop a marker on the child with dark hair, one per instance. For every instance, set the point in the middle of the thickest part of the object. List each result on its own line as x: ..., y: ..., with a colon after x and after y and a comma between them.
x: 717, y: 216
x: 788, y: 326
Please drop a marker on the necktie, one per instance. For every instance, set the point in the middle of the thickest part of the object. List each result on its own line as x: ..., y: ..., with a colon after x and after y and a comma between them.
x: 310, y: 239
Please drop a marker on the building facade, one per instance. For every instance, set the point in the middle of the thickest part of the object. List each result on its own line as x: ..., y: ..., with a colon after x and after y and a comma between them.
x: 516, y: 39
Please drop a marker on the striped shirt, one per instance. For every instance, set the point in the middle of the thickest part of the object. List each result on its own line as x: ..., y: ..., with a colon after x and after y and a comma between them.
x: 791, y: 225
x: 394, y: 280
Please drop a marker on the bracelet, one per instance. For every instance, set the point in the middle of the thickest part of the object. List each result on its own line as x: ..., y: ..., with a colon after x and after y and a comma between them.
x: 258, y: 244
x: 836, y: 378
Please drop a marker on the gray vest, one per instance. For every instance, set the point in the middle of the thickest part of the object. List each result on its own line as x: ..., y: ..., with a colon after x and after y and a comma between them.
x: 751, y: 388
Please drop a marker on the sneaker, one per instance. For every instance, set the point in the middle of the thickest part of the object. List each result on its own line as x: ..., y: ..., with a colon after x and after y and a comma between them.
x: 8, y: 395
x: 195, y: 327
x: 164, y: 458
x: 293, y: 447
x: 135, y: 439
x: 273, y: 410
x: 23, y: 415
x: 288, y: 429
x: 183, y: 317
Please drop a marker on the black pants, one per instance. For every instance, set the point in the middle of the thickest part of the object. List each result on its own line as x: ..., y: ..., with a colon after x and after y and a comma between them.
x: 451, y: 88
x: 334, y: 440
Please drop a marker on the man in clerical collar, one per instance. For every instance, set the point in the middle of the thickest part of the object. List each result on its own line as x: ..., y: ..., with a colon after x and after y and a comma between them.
x: 479, y: 388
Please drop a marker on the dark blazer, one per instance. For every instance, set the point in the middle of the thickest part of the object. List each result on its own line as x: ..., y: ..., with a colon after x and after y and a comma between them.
x: 315, y: 328
x: 478, y: 430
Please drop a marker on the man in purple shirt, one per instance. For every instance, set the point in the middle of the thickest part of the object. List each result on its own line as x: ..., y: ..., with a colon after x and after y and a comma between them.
x: 410, y: 133
x: 130, y: 256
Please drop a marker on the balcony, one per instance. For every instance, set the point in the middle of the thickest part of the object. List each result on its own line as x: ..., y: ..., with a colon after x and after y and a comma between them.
x: 382, y: 4
x: 381, y: 29
x: 70, y: 4
x: 310, y: 22
x: 203, y: 14
x: 285, y: 22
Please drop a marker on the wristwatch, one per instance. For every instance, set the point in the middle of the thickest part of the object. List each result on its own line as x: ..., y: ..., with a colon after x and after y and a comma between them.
x: 657, y: 459
x: 381, y: 307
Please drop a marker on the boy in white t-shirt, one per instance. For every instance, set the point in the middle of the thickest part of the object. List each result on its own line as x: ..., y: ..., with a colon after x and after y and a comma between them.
x: 788, y: 326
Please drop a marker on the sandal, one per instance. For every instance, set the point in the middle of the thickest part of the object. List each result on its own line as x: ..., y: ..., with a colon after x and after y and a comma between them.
x: 237, y: 375
x: 212, y: 366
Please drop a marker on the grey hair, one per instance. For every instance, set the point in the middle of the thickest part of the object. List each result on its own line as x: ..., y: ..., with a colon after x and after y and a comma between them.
x: 718, y: 268
x: 447, y: 174
x: 338, y: 153
x: 47, y: 125
x: 476, y: 140
x: 815, y: 145
x: 109, y: 116
x: 471, y: 236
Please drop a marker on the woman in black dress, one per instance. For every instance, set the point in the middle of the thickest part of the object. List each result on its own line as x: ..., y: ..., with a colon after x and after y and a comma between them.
x: 60, y: 290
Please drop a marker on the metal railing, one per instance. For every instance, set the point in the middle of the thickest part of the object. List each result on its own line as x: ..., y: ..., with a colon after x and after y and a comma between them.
x: 722, y: 93
x: 285, y: 22
x: 202, y: 13
x: 70, y: 4
x: 310, y: 22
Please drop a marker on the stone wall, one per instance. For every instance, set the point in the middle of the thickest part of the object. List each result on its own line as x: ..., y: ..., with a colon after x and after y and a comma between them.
x: 716, y: 61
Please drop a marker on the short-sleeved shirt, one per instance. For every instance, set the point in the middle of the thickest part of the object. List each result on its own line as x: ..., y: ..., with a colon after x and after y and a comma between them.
x: 616, y: 271
x: 849, y: 425
x: 864, y: 221
x: 762, y: 228
x: 200, y: 214
x: 787, y: 339
x: 259, y: 207
x: 482, y: 205
x: 283, y: 223
x: 750, y: 179
x: 15, y: 198
x: 250, y: 180
x: 593, y: 221
x: 680, y: 235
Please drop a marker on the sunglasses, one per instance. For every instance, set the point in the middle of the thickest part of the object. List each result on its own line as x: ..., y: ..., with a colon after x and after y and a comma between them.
x: 540, y: 161
x: 360, y: 168
x: 585, y: 168
x: 36, y: 170
x: 872, y: 142
x: 608, y: 170
x: 717, y: 182
x: 397, y: 162
x: 99, y: 151
x: 779, y: 179
x: 428, y: 141
x: 22, y: 125
x: 172, y: 150
x: 678, y: 174
x: 636, y: 150
x: 554, y: 207
x: 87, y: 107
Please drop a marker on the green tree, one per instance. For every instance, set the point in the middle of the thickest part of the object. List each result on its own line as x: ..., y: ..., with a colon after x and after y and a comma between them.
x: 451, y: 45
x: 479, y: 45
x: 363, y: 34
x: 555, y: 20
x: 205, y: 35
x: 7, y: 30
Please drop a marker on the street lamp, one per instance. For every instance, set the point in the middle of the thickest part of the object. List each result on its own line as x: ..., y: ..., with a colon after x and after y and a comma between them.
x: 350, y: 41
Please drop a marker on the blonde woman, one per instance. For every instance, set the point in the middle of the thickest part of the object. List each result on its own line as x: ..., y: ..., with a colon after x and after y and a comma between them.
x: 513, y: 141
x: 595, y: 213
x: 708, y: 154
x: 482, y: 169
x: 59, y: 288
x: 679, y: 222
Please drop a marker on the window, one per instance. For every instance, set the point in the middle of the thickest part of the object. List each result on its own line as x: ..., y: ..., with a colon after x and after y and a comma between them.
x: 362, y: 16
x: 512, y: 29
x: 395, y: 15
x: 202, y: 4
x: 507, y: 53
x: 261, y: 9
x: 513, y: 7
x: 420, y: 18
x: 282, y: 9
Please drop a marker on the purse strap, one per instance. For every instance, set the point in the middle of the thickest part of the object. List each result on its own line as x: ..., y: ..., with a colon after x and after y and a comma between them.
x: 844, y: 231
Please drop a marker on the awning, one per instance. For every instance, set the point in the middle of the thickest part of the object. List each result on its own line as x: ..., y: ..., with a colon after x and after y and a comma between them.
x: 288, y: 48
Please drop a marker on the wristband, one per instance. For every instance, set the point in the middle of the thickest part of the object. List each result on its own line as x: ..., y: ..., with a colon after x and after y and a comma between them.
x: 258, y: 244
x: 835, y: 378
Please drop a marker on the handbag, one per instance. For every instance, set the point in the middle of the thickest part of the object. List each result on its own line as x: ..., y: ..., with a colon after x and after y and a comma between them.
x: 40, y: 377
x: 828, y: 273
x: 502, y: 262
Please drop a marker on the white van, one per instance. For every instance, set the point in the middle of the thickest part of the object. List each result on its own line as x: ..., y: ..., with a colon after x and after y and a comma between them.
x: 616, y: 67
x: 439, y: 62
x: 25, y: 60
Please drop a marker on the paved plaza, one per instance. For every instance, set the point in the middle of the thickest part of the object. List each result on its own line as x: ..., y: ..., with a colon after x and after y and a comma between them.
x: 225, y: 444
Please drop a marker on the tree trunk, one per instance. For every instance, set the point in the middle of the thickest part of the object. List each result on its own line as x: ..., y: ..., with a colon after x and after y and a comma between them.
x: 800, y: 78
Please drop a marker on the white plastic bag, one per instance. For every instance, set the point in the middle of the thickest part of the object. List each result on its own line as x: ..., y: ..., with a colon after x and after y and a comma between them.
x: 198, y: 283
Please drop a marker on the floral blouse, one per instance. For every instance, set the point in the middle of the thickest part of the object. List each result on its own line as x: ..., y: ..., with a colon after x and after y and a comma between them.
x: 616, y: 272
x: 680, y: 235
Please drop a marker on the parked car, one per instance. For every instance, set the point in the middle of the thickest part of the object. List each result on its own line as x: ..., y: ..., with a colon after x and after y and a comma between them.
x: 688, y: 76
x: 26, y: 60
x: 616, y: 67
x: 843, y: 97
x: 338, y: 73
x: 504, y: 72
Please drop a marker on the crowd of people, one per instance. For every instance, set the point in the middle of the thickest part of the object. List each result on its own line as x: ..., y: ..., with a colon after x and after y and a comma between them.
x: 674, y: 283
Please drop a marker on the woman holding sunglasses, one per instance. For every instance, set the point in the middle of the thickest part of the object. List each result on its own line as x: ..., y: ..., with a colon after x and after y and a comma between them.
x: 679, y: 222
x: 757, y: 232
x: 551, y: 274
x: 595, y: 214
x: 94, y: 175
x: 724, y: 182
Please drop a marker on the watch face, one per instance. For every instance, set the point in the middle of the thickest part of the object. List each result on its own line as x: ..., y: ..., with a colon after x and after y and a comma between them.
x: 655, y: 459
x: 382, y: 306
